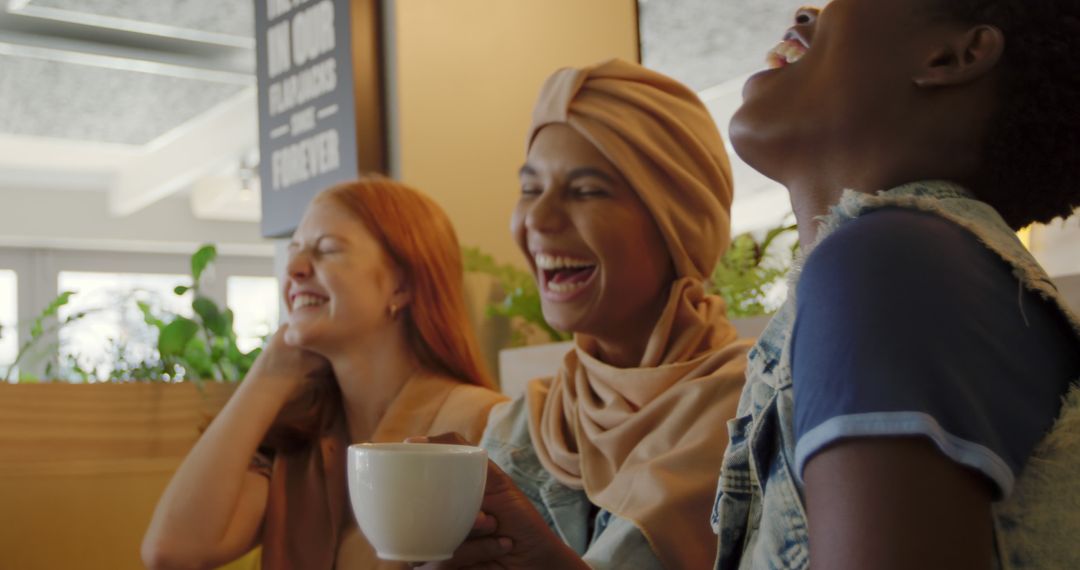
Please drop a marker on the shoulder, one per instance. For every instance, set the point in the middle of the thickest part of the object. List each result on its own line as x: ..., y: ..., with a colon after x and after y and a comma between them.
x: 508, y: 425
x: 473, y: 396
x: 895, y: 247
x: 905, y: 274
x: 466, y: 410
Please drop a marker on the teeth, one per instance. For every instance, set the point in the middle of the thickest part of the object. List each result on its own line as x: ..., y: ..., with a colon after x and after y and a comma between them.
x: 304, y: 300
x: 564, y: 287
x: 547, y: 261
x: 786, y: 52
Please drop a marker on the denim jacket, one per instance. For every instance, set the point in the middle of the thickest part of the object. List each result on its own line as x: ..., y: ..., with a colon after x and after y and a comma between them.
x: 759, y: 515
x: 608, y: 542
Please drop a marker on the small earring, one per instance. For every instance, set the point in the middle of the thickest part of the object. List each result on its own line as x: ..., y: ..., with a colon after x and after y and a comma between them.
x: 393, y: 311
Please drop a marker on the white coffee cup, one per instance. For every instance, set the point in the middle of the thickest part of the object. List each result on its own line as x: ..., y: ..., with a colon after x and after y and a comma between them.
x: 416, y: 502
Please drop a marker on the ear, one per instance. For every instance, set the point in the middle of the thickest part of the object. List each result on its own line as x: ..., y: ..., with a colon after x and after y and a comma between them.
x: 963, y: 58
x: 402, y: 294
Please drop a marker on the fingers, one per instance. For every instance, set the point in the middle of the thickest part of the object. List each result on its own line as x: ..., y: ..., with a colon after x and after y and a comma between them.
x: 497, y: 480
x: 452, y: 438
x: 485, y: 525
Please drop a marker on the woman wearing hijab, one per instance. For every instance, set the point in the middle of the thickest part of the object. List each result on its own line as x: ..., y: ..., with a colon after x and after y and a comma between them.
x: 624, y: 207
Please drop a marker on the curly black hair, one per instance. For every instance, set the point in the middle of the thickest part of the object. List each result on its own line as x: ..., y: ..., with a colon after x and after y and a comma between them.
x: 1032, y: 153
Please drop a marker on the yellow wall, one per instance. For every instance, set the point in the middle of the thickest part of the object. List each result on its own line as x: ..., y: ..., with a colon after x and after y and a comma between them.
x: 467, y: 75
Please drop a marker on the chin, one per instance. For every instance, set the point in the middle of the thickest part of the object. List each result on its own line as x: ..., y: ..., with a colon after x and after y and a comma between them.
x: 753, y: 141
x: 558, y: 320
x: 301, y: 336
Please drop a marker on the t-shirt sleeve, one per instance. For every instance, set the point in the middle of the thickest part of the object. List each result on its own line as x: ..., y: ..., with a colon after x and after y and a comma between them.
x: 908, y: 326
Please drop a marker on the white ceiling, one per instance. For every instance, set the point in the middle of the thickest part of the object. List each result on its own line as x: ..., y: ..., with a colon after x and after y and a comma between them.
x: 227, y: 22
x: 140, y: 99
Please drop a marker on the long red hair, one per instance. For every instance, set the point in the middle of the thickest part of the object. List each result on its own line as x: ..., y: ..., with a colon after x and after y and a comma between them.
x: 416, y: 233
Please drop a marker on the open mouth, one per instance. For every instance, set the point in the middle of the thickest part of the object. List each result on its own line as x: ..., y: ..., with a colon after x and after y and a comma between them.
x: 786, y: 53
x: 563, y: 275
x: 304, y: 300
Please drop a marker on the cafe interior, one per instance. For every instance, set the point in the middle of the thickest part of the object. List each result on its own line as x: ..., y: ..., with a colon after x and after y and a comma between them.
x: 154, y: 152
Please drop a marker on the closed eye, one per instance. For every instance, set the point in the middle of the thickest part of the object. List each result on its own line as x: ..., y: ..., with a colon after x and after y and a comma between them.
x: 590, y: 191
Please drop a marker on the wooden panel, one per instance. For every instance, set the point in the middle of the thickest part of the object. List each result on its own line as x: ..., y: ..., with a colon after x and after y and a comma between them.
x: 82, y: 466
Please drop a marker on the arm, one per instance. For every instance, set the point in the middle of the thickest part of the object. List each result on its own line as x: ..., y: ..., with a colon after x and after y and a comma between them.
x: 921, y: 385
x: 896, y: 503
x: 211, y: 512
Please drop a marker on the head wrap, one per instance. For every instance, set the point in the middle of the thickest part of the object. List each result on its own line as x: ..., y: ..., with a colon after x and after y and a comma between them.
x: 659, y: 135
x: 646, y: 443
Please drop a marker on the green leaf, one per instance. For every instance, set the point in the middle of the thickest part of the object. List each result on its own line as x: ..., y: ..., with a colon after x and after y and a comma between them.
x: 181, y: 289
x: 211, y: 316
x: 749, y: 270
x: 149, y: 316
x: 37, y: 328
x: 176, y: 336
x: 200, y: 260
x: 197, y: 360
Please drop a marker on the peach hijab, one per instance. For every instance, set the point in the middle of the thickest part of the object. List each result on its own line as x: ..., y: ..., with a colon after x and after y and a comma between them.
x: 646, y: 443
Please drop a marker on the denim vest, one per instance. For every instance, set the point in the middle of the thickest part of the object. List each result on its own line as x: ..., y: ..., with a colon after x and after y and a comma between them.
x: 759, y: 516
x: 603, y: 540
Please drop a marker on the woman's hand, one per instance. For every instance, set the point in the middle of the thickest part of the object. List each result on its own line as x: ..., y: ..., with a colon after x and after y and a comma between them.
x: 508, y: 532
x: 212, y: 510
x: 287, y: 367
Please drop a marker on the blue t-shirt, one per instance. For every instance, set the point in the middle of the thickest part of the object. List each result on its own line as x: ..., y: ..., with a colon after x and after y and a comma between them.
x: 908, y: 326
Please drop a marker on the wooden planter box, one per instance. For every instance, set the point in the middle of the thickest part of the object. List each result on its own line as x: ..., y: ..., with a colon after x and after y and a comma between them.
x: 82, y: 466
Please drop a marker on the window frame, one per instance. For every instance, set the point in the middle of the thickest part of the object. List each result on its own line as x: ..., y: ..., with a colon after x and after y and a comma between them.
x: 38, y: 270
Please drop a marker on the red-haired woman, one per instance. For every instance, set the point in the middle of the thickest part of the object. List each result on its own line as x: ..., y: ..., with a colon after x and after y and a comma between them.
x: 377, y: 347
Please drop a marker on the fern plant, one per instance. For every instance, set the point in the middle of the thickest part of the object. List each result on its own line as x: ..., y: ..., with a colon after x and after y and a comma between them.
x: 750, y: 269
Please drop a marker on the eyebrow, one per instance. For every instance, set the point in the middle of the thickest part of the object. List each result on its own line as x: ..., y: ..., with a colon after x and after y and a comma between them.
x: 589, y: 171
x: 582, y: 172
x: 318, y: 239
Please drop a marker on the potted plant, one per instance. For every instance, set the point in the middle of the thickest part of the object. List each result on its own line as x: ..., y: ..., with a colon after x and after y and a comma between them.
x: 96, y: 454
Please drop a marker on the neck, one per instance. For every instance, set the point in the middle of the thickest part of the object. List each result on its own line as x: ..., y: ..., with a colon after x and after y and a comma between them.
x: 919, y: 149
x: 371, y: 373
x: 624, y: 353
x: 809, y: 200
x: 623, y: 346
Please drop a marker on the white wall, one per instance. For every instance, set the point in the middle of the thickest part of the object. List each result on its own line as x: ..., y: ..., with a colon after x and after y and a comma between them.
x: 1057, y: 246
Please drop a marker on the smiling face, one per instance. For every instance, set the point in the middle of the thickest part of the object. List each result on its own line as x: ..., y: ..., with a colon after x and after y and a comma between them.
x: 838, y: 84
x: 598, y: 257
x: 339, y: 281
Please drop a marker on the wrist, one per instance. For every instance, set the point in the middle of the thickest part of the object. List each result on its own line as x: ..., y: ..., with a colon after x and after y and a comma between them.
x: 273, y: 389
